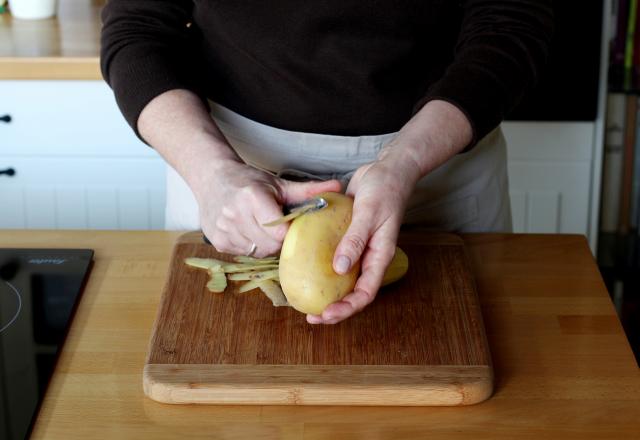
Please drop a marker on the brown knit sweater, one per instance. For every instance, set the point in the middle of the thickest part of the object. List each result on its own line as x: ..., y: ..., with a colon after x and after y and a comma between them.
x: 343, y: 67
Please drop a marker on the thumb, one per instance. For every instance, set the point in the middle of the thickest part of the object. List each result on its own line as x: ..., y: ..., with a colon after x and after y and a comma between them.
x: 294, y: 192
x: 352, y: 244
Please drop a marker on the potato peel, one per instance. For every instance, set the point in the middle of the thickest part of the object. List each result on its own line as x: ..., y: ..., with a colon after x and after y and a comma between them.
x: 204, y: 263
x: 218, y: 281
x: 253, y: 284
x: 236, y: 268
x: 245, y: 259
x: 273, y: 291
x: 255, y: 275
x: 259, y: 273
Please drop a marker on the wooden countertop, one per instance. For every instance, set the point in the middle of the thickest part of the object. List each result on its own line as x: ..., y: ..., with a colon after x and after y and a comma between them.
x: 64, y: 47
x: 563, y: 366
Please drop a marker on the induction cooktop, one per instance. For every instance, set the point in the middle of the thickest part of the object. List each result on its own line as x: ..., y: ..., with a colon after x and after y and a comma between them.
x: 39, y: 291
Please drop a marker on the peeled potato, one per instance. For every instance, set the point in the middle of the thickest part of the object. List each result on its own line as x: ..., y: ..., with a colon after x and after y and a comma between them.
x: 306, y: 260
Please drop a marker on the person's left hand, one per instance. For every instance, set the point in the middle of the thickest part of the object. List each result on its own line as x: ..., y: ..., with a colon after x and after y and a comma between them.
x: 380, y: 190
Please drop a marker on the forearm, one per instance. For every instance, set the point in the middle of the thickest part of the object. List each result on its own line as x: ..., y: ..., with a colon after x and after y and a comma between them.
x: 432, y: 136
x: 178, y: 126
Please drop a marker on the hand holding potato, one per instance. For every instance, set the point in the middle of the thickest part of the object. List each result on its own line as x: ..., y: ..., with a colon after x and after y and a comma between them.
x: 380, y: 190
x: 235, y: 200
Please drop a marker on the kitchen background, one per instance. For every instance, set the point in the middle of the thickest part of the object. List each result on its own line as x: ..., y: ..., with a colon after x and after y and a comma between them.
x: 69, y: 161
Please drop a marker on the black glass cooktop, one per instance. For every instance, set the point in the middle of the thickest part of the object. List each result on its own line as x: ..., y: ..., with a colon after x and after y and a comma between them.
x: 39, y: 290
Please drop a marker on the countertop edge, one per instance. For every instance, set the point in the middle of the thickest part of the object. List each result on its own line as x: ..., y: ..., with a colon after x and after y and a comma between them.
x: 50, y: 68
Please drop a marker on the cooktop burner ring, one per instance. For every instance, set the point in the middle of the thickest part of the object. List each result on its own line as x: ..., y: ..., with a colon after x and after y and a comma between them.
x: 19, y: 308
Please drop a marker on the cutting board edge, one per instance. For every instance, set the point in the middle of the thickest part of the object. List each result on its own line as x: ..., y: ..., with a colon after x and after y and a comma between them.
x: 353, y: 385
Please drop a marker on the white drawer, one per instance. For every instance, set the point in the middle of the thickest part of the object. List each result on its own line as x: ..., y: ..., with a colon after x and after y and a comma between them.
x: 53, y: 118
x: 83, y: 193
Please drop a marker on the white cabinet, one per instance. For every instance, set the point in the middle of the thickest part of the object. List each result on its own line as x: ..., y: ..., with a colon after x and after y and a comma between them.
x: 552, y: 176
x: 78, y: 164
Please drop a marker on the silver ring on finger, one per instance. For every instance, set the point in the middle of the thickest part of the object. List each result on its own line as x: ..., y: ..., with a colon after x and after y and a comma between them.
x: 253, y: 249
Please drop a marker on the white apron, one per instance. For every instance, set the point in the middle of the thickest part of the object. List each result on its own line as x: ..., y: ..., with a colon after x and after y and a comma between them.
x: 469, y: 193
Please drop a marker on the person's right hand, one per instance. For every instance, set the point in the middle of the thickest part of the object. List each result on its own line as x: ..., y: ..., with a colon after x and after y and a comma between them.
x: 235, y: 200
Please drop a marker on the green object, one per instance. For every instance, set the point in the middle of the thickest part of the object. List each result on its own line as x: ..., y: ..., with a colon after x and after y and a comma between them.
x: 628, y: 56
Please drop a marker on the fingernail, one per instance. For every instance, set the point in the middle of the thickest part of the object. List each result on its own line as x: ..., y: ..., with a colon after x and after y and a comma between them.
x: 342, y: 264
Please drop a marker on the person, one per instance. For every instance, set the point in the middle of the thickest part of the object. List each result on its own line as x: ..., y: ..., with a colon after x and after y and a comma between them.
x: 255, y: 105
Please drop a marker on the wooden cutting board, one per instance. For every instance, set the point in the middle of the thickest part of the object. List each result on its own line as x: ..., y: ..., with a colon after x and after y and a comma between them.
x: 421, y: 342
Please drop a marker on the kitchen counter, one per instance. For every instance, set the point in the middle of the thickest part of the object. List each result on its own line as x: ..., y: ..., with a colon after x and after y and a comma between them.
x: 64, y: 47
x: 563, y: 366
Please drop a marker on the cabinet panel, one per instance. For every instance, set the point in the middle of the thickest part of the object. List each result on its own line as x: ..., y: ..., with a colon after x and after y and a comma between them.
x: 84, y: 193
x: 133, y: 208
x: 543, y: 211
x: 71, y: 207
x: 550, y: 175
x: 77, y: 118
x: 518, y: 210
x: 13, y: 211
x: 40, y: 206
x: 566, y: 141
x: 102, y: 207
x: 536, y: 211
x: 550, y: 197
x: 156, y: 208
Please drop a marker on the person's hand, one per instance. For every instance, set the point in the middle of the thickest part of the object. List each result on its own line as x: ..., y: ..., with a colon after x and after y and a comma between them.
x: 380, y: 190
x: 236, y: 200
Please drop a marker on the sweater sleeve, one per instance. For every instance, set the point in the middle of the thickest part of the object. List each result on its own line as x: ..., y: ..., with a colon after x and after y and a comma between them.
x: 146, y: 49
x: 501, y: 48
